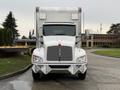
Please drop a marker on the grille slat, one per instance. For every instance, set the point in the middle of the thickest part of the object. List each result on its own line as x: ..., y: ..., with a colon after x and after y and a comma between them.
x: 59, y: 53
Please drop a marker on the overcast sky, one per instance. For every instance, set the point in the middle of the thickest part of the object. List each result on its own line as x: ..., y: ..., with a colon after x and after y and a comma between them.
x: 95, y: 11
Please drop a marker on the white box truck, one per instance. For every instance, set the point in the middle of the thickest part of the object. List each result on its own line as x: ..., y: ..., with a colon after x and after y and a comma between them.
x: 58, y: 43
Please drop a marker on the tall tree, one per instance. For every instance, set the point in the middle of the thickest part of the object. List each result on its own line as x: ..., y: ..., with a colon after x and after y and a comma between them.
x: 1, y: 37
x: 114, y: 29
x: 10, y: 24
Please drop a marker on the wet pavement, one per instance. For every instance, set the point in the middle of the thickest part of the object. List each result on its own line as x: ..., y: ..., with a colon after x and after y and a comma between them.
x: 103, y: 74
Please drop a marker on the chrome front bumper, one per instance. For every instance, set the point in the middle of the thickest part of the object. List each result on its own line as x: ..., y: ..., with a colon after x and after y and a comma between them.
x: 47, y: 67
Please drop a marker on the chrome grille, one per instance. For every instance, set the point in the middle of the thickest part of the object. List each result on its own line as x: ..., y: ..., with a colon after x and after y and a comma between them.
x: 59, y: 53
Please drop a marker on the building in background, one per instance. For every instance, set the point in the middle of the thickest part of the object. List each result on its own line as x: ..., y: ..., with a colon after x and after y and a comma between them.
x: 100, y: 40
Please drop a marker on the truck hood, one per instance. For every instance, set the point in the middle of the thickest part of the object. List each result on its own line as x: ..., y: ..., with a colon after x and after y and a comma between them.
x: 56, y: 40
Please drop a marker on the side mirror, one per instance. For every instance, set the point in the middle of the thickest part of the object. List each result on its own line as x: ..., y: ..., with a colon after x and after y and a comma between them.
x: 78, y: 38
x: 41, y: 39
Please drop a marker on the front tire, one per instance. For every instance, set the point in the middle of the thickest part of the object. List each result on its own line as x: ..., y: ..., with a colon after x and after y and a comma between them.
x: 37, y: 76
x: 82, y: 76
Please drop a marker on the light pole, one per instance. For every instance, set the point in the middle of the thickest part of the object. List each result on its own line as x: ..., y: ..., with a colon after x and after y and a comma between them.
x: 83, y: 22
x: 101, y: 28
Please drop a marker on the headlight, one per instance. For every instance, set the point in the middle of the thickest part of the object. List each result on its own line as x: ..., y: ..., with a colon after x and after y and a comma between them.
x: 81, y: 59
x: 36, y: 59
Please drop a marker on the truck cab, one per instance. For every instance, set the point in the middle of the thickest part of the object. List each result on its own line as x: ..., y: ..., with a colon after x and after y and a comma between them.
x: 58, y: 45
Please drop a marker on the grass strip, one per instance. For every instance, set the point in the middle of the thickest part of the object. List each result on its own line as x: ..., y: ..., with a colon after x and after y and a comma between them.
x: 12, y: 64
x: 109, y: 52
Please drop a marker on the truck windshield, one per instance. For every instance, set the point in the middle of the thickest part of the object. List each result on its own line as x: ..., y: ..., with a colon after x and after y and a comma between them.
x: 59, y: 30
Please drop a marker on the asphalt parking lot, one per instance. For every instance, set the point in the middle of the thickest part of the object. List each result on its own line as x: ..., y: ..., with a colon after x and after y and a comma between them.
x: 103, y: 74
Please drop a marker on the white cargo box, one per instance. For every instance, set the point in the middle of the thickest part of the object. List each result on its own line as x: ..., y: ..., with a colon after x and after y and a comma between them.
x: 59, y: 16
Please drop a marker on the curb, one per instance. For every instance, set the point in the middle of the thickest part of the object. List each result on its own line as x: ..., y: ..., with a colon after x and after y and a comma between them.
x: 105, y: 55
x: 15, y: 73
